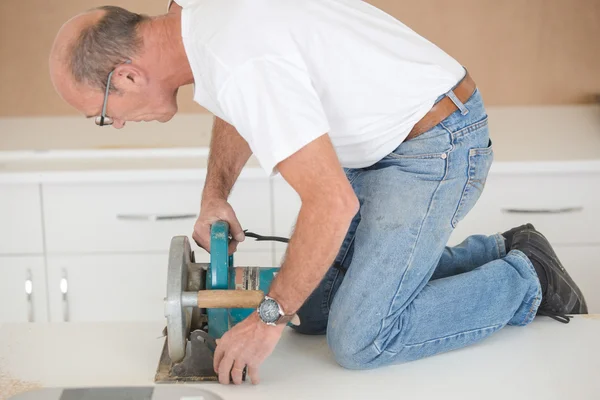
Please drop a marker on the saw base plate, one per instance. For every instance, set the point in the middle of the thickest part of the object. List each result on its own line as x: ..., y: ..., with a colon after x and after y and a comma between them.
x: 196, y: 366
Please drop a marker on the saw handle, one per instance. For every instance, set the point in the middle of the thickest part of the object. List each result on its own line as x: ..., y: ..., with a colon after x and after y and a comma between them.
x: 230, y: 298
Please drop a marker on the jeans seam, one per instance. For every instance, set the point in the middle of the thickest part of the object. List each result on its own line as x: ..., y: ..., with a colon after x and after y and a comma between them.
x: 447, y: 130
x: 536, y: 298
x: 408, y: 267
x: 501, y: 245
x: 325, y: 303
x: 354, y: 176
x: 463, y: 195
x: 439, y: 339
x: 459, y: 134
x: 417, y: 157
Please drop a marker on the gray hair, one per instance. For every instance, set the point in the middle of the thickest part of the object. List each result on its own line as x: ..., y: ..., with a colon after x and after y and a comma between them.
x: 102, y: 46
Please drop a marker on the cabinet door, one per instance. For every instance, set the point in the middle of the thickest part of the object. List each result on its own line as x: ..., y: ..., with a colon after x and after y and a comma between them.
x: 583, y: 264
x: 20, y: 220
x: 142, y: 216
x: 565, y: 207
x: 100, y: 288
x: 22, y: 289
x: 124, y: 287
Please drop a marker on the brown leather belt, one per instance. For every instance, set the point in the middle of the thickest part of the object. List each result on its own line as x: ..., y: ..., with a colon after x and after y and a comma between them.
x: 443, y: 108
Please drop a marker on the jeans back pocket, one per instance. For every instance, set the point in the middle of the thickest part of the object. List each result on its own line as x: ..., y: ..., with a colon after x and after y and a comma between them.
x: 480, y: 161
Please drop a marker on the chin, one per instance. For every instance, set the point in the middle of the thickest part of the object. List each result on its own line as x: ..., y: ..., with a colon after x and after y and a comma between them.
x: 165, y: 118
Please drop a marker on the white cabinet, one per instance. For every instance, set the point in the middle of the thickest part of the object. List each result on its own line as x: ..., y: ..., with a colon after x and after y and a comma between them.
x: 20, y: 219
x: 139, y: 217
x: 583, y: 264
x: 107, y: 287
x: 22, y: 289
x: 107, y: 243
x: 104, y: 244
x: 124, y: 287
x: 565, y: 207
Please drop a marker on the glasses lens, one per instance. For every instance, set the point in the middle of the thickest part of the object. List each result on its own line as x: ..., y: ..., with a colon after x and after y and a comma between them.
x: 107, y: 121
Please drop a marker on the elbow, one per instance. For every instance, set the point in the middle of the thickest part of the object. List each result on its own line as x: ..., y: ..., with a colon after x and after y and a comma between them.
x: 336, y: 204
x: 351, y: 204
x: 344, y: 205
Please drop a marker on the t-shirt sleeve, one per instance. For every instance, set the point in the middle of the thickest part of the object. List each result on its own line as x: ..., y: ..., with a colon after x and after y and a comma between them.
x: 273, y: 105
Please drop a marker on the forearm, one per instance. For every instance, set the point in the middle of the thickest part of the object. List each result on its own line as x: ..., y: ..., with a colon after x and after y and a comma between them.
x: 229, y: 152
x: 319, y: 232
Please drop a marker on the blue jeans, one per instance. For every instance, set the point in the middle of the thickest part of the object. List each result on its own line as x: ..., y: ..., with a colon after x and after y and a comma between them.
x: 396, y: 293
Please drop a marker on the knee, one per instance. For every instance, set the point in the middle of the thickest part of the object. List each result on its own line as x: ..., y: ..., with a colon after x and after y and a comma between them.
x: 349, y: 350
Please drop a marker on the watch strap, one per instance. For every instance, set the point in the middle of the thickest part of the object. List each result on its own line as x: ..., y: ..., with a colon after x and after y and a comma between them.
x: 285, y: 319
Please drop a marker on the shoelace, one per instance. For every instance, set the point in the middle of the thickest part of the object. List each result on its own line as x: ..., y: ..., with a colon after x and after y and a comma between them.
x: 565, y: 319
x: 261, y: 238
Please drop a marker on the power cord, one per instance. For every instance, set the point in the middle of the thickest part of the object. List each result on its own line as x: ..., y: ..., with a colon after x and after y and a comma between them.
x: 261, y: 238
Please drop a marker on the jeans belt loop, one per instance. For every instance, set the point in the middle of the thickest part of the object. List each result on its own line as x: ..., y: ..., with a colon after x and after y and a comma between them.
x: 459, y: 104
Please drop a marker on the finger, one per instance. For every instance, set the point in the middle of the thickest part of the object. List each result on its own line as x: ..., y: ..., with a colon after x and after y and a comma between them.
x: 218, y: 357
x: 233, y: 246
x: 235, y: 228
x: 253, y: 373
x: 202, y: 240
x: 225, y: 370
x: 237, y: 372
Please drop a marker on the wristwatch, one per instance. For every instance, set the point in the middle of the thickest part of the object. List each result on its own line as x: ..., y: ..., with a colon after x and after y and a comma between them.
x: 271, y: 313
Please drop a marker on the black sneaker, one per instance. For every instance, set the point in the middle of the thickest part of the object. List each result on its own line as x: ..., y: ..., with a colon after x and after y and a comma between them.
x: 560, y: 294
x: 508, y: 235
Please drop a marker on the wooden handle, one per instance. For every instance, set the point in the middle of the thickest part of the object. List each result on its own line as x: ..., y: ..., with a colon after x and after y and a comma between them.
x: 230, y: 298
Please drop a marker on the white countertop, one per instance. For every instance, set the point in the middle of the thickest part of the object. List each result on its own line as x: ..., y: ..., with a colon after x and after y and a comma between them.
x: 545, y: 360
x: 66, y: 149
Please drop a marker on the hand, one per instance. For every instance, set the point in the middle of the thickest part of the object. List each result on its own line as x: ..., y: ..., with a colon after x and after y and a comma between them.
x: 211, y: 211
x: 247, y: 344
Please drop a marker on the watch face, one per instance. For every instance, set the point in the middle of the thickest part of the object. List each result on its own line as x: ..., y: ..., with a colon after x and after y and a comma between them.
x: 269, y: 311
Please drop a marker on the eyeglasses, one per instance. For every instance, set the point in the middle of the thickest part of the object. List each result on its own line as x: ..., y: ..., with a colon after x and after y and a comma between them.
x: 104, y: 119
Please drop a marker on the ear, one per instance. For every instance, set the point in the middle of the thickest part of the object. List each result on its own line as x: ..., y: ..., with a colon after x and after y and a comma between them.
x: 129, y: 77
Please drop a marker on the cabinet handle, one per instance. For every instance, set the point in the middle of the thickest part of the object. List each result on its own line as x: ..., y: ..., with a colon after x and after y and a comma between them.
x: 565, y: 210
x: 154, y: 217
x: 64, y: 289
x: 29, y: 294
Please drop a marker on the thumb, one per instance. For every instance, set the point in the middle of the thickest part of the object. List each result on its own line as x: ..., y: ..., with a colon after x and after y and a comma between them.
x: 236, y: 231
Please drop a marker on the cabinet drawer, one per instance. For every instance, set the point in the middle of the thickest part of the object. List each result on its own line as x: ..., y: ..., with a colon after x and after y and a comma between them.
x: 20, y: 219
x: 564, y: 207
x: 22, y: 289
x: 139, y: 217
x: 107, y: 288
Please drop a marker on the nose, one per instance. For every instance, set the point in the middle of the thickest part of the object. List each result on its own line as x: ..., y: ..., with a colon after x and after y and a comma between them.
x: 118, y: 123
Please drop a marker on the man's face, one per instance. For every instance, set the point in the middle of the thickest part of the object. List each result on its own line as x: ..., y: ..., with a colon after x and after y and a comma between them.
x: 136, y: 98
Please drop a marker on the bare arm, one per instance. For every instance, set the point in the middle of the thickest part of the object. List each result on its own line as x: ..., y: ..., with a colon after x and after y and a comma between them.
x: 328, y: 206
x: 229, y: 152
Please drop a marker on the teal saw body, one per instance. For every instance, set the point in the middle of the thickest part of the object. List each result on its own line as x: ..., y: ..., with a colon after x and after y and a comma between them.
x: 195, y: 291
x: 221, y: 274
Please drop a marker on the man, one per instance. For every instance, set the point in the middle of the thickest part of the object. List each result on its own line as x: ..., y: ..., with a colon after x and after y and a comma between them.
x: 383, y: 136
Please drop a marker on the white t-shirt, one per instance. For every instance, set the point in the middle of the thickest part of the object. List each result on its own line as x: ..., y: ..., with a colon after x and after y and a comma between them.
x: 285, y: 72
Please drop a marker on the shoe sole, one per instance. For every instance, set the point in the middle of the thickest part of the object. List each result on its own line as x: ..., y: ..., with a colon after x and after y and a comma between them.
x: 556, y: 265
